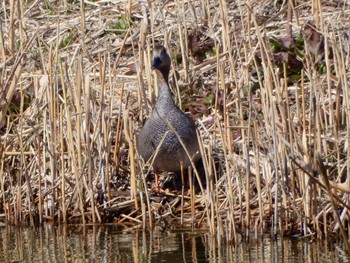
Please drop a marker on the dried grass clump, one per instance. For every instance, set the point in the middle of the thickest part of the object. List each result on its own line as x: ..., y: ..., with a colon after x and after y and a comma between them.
x: 267, y: 83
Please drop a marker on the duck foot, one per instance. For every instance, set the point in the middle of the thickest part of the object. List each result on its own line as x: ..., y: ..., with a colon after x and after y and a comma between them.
x: 158, y: 190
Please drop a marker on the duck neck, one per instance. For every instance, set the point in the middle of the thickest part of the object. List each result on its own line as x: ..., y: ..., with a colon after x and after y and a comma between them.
x: 163, y: 74
x: 164, y: 92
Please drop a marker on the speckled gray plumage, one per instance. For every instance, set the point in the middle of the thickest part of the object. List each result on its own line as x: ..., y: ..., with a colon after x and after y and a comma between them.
x: 171, y: 154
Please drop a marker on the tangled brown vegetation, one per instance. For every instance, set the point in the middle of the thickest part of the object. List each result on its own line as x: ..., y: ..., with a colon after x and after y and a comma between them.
x: 266, y: 81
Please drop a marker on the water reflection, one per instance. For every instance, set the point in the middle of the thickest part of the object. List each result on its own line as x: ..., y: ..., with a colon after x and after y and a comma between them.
x: 116, y: 244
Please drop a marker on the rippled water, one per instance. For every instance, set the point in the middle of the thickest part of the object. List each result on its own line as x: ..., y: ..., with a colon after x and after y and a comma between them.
x: 116, y: 244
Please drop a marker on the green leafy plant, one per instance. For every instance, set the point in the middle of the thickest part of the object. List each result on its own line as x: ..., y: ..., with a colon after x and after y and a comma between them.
x: 120, y: 26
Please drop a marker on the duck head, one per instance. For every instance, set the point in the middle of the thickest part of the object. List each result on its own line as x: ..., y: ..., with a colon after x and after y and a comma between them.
x: 161, y: 60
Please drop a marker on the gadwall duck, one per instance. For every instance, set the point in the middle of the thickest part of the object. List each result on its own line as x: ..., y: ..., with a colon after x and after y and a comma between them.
x: 157, y: 135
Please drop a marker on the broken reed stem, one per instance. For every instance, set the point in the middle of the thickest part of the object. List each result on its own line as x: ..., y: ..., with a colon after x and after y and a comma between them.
x: 192, y: 195
x: 148, y: 202
x: 182, y: 41
x: 128, y: 130
x: 2, y: 44
x: 182, y: 195
x: 51, y: 139
x: 63, y: 181
x: 82, y: 14
x: 76, y: 95
x: 40, y: 197
x: 133, y: 179
x: 142, y: 97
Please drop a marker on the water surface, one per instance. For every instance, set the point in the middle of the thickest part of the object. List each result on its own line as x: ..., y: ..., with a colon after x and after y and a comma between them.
x: 116, y: 244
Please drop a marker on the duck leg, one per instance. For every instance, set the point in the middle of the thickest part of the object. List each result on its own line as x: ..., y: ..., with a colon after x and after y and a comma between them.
x: 156, y: 177
x: 157, y: 188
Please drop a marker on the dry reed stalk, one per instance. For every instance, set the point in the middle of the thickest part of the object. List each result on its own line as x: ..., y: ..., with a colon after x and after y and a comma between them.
x: 63, y: 181
x: 2, y: 44
x: 267, y: 137
x: 128, y: 133
x: 182, y: 31
x: 118, y: 134
x: 11, y: 27
x: 182, y: 196
x: 82, y: 14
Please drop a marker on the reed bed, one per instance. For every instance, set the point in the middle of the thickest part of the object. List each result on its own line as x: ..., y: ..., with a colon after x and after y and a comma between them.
x: 266, y: 81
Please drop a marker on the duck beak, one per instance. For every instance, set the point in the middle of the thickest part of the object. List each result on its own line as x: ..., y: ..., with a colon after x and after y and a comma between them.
x: 156, y: 62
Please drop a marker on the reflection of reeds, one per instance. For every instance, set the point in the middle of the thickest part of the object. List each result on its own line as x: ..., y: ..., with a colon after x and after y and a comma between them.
x: 123, y: 244
x: 274, y: 149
